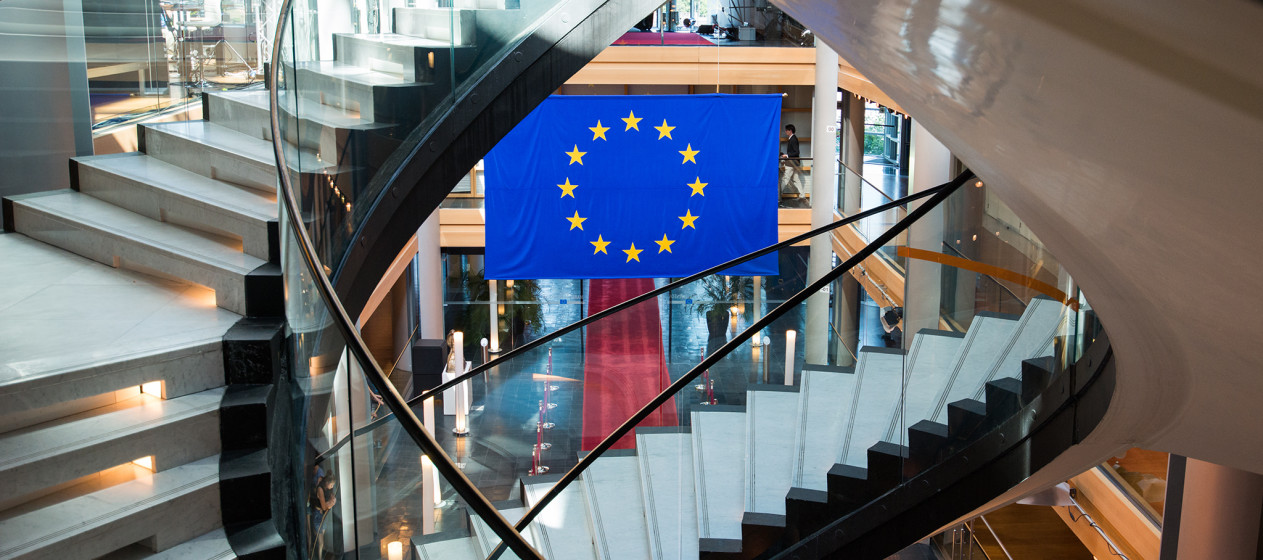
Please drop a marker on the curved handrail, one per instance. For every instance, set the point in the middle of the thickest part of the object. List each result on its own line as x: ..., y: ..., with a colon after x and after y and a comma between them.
x: 940, y: 194
x: 668, y: 287
x: 356, y: 346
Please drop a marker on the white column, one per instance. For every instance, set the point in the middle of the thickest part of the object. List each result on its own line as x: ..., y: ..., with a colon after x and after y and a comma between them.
x: 757, y: 339
x: 824, y: 192
x: 430, y: 278
x: 852, y: 150
x: 494, y: 324
x: 931, y: 164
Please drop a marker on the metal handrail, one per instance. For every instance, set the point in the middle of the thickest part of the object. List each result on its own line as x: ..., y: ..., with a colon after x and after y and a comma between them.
x: 474, y: 499
x: 941, y: 193
x: 843, y: 166
x: 670, y: 286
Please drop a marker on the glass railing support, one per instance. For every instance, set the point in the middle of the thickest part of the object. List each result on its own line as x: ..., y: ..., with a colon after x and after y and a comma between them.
x: 356, y: 346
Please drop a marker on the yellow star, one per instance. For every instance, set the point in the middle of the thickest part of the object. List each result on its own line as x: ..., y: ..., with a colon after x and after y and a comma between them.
x: 600, y: 245
x: 633, y: 254
x: 577, y: 156
x: 632, y: 121
x: 664, y: 130
x: 665, y: 244
x: 567, y: 189
x: 688, y: 153
x: 577, y: 222
x: 697, y: 185
x: 598, y: 131
x: 688, y: 219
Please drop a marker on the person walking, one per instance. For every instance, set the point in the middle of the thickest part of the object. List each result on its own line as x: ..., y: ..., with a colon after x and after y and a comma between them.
x: 790, y: 164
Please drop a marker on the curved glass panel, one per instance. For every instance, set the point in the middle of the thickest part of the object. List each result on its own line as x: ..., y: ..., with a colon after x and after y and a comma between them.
x: 365, y: 80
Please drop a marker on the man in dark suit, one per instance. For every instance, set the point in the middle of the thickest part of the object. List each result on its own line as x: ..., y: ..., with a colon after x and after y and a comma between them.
x: 790, y: 164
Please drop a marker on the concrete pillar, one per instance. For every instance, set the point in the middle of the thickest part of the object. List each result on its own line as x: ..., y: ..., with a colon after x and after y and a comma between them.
x: 846, y: 304
x: 852, y: 151
x: 1220, y: 513
x: 824, y: 190
x: 931, y: 165
x: 429, y: 265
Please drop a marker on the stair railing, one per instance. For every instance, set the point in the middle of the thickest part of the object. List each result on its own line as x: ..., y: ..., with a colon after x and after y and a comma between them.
x: 940, y: 194
x: 355, y: 345
x: 771, y: 249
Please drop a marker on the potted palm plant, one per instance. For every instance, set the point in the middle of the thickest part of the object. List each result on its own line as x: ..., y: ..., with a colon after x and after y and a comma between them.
x: 719, y: 295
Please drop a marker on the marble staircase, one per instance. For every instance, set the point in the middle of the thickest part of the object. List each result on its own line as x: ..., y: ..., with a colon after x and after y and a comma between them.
x: 741, y: 479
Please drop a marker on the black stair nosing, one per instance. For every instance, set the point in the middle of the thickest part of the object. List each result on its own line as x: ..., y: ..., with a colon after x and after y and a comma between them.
x: 998, y: 315
x: 889, y: 448
x: 442, y: 536
x: 629, y: 452
x: 255, y: 540
x: 245, y: 395
x: 698, y: 407
x: 941, y: 332
x: 757, y: 519
x: 6, y: 215
x: 828, y: 368
x: 725, y: 546
x: 1037, y: 375
x: 768, y: 388
x: 664, y: 430
x: 244, y: 463
x: 254, y: 350
x: 807, y: 495
x: 883, y: 350
x: 549, y: 478
x: 265, y: 292
x: 274, y: 240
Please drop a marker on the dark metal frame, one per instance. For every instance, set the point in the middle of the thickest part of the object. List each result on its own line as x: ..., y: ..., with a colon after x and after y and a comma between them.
x: 356, y: 346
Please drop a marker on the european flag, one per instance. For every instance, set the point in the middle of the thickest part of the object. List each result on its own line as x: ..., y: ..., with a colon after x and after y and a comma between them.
x: 651, y: 186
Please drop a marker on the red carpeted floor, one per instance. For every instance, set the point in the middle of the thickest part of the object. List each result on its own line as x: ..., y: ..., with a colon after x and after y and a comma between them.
x: 633, y: 38
x: 623, y: 366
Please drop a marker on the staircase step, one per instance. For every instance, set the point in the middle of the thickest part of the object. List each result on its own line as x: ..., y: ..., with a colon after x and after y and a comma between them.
x: 769, y: 456
x: 213, y: 151
x: 378, y: 96
x: 163, y: 509
x: 319, y: 130
x: 108, y: 234
x: 210, y: 546
x: 73, y: 332
x: 822, y: 412
x: 412, y: 59
x: 616, y: 507
x: 987, y: 336
x: 470, y: 4
x: 719, y: 449
x: 173, y: 431
x: 163, y: 192
x: 455, y: 548
x: 562, y: 529
x: 444, y: 25
x: 665, y: 457
x: 1032, y: 338
x: 486, y: 540
x: 879, y: 386
x: 929, y: 367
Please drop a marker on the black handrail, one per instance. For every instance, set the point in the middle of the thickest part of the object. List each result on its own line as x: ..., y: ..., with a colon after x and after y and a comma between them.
x: 356, y: 346
x: 671, y: 286
x: 940, y: 193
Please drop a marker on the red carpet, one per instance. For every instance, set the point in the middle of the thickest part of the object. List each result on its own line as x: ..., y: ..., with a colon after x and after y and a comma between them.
x: 634, y: 38
x: 624, y: 366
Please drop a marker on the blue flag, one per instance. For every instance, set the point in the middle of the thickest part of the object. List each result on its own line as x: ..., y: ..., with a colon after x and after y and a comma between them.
x: 649, y: 186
